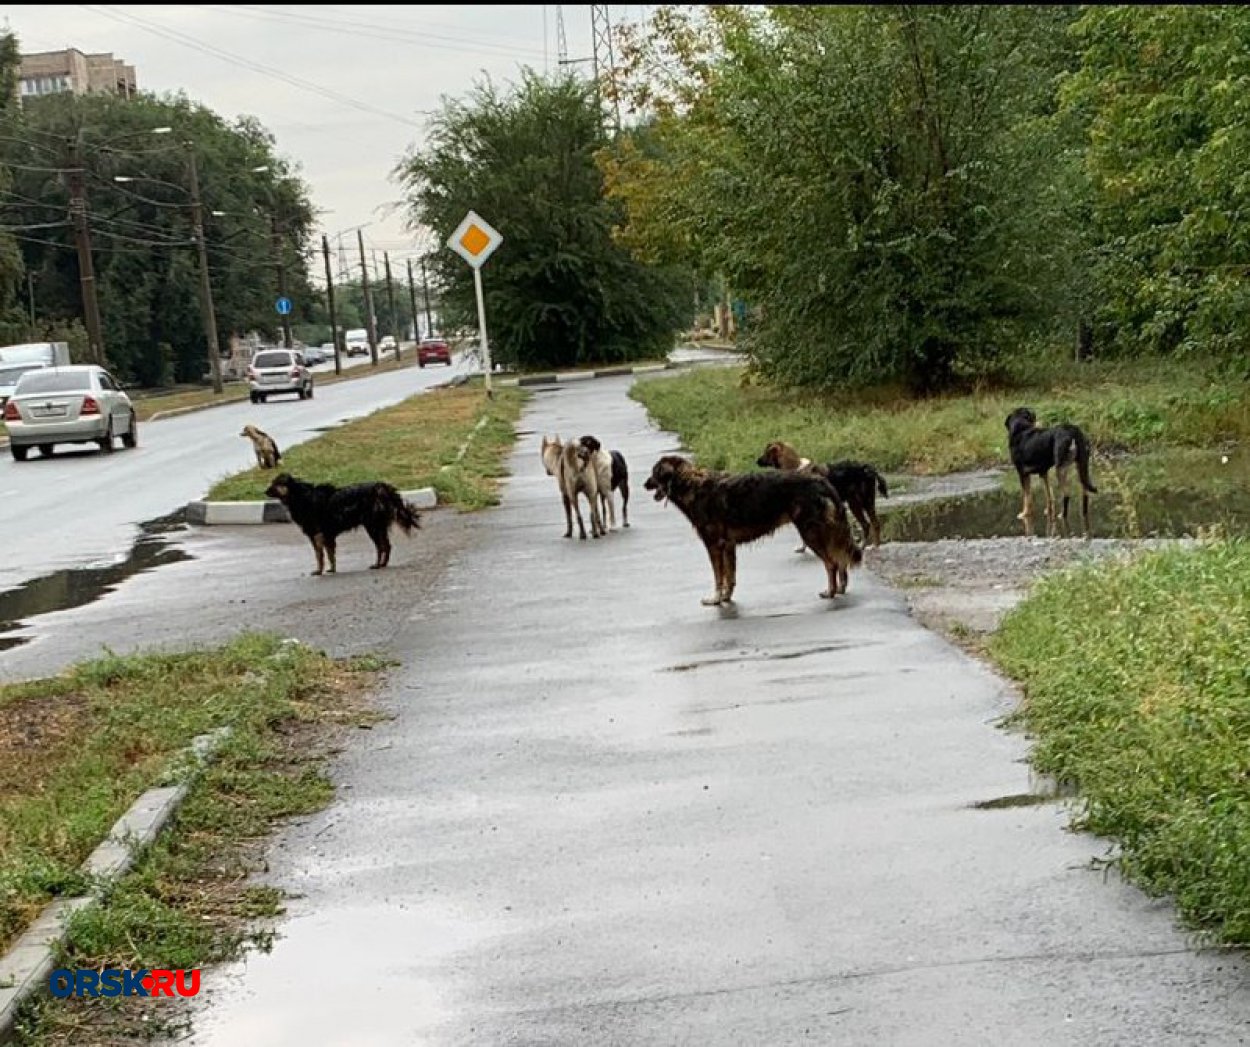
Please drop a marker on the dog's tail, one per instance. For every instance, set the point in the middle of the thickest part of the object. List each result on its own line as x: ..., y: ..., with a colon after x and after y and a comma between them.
x: 392, y: 502
x: 1082, y: 462
x: 885, y: 491
x: 277, y: 455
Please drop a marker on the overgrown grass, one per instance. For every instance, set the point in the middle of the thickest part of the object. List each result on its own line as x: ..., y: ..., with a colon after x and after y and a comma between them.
x: 1122, y: 407
x: 1136, y: 684
x: 407, y: 445
x: 117, y: 724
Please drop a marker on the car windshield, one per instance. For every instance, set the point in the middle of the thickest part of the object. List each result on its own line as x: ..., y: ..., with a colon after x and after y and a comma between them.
x: 272, y: 360
x: 10, y: 375
x: 45, y: 381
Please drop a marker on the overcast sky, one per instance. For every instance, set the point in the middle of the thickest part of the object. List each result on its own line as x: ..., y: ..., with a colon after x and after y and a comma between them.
x: 342, y: 88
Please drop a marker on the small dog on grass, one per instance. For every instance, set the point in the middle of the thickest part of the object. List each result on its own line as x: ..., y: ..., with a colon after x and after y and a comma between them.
x: 267, y: 454
x: 727, y: 511
x: 613, y: 475
x: 324, y: 511
x: 570, y: 463
x: 857, y: 483
x: 1034, y: 452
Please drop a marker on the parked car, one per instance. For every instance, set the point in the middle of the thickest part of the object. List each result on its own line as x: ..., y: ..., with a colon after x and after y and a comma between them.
x: 357, y: 342
x: 388, y: 343
x: 275, y: 371
x: 313, y: 356
x: 68, y: 405
x: 328, y: 349
x: 433, y: 351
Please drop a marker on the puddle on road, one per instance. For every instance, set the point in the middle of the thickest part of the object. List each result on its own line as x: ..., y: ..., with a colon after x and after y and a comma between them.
x: 77, y: 586
x: 1166, y: 495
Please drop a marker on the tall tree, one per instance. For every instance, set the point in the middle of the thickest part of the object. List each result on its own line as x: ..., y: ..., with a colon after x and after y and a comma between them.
x: 560, y: 291
x: 874, y: 179
x: 1161, y: 95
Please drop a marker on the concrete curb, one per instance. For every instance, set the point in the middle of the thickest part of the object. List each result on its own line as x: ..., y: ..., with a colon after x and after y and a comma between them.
x: 174, y: 412
x: 215, y: 514
x: 25, y: 967
x: 564, y: 377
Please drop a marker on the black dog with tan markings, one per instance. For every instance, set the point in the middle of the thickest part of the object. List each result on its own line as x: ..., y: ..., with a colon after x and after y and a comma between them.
x: 1035, y: 451
x: 729, y: 510
x: 323, y: 512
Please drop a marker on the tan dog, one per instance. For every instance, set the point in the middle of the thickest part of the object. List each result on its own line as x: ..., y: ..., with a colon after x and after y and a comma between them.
x: 575, y: 475
x: 267, y: 454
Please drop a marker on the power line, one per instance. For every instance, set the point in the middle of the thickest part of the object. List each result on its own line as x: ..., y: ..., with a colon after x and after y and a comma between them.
x: 226, y: 56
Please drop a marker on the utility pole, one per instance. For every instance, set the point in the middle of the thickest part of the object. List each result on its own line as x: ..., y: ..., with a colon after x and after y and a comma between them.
x: 364, y: 285
x: 334, y: 323
x: 281, y: 263
x: 206, y: 287
x: 30, y: 292
x: 604, y: 58
x: 412, y: 301
x: 425, y: 290
x: 82, y: 236
x: 390, y: 299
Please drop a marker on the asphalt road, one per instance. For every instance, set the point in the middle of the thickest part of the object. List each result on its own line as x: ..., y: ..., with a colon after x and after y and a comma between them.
x: 81, y: 507
x: 605, y: 814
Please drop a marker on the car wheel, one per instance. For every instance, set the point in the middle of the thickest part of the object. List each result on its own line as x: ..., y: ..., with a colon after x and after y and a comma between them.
x: 130, y: 438
x: 310, y: 390
x: 46, y: 450
x: 255, y: 397
x: 420, y: 364
x: 301, y: 393
x: 447, y: 362
x: 264, y: 397
x: 106, y: 441
x: 19, y: 453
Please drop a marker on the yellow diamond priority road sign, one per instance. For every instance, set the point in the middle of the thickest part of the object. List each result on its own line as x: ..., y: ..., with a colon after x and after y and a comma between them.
x: 474, y: 240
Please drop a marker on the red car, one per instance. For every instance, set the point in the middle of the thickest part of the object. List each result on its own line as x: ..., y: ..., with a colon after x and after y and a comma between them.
x: 433, y: 351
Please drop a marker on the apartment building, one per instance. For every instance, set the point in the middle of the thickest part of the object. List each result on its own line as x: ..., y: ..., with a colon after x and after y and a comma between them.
x: 50, y: 72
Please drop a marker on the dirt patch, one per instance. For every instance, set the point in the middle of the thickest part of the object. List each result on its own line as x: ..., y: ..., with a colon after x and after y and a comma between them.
x: 962, y: 588
x: 34, y: 731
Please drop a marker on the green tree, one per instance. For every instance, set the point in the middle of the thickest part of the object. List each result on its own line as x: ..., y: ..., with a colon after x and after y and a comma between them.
x: 1160, y: 95
x: 147, y: 274
x: 13, y: 324
x: 561, y: 290
x: 876, y: 180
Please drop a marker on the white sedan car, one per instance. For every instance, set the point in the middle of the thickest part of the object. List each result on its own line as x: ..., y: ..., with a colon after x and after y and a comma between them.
x: 68, y: 405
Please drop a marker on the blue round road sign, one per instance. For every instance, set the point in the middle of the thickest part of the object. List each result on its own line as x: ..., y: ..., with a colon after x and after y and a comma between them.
x: 283, y: 305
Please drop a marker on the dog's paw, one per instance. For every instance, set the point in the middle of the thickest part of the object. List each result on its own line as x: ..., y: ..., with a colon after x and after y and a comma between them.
x: 828, y: 595
x: 711, y: 601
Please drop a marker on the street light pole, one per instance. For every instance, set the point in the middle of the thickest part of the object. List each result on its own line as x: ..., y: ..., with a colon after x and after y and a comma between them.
x: 412, y: 300
x: 277, y: 250
x: 425, y: 290
x: 390, y: 301
x: 364, y: 281
x: 206, y: 287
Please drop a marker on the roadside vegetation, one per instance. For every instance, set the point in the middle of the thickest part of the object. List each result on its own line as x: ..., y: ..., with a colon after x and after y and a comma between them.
x: 1126, y: 406
x: 1136, y: 690
x: 77, y: 749
x: 407, y: 445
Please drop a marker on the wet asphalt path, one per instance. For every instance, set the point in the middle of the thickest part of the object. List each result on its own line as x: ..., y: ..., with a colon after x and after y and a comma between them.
x: 604, y: 814
x: 81, y: 507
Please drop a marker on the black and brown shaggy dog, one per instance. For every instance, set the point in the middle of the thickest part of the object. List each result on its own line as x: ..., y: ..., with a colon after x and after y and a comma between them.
x: 267, y: 454
x: 729, y: 510
x: 1035, y: 451
x: 617, y: 477
x: 857, y: 483
x: 323, y: 512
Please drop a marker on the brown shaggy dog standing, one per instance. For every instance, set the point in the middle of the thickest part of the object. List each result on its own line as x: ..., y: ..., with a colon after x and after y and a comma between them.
x: 267, y: 454
x: 572, y: 466
x: 728, y: 510
x: 857, y: 483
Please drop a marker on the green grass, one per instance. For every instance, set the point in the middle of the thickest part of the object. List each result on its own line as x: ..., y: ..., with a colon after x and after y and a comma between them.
x: 1125, y: 407
x: 407, y: 445
x: 103, y: 732
x: 1137, y: 689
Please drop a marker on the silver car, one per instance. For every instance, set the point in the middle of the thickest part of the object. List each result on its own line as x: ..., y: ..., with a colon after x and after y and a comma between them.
x: 68, y: 405
x: 276, y: 371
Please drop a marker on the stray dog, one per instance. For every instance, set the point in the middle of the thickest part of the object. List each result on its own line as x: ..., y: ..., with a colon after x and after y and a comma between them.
x: 617, y: 477
x: 323, y: 512
x: 857, y: 483
x: 575, y: 475
x: 267, y: 454
x: 1034, y: 452
x: 728, y: 510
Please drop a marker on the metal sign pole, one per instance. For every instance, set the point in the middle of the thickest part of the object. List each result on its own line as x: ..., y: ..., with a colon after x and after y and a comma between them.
x: 481, y: 325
